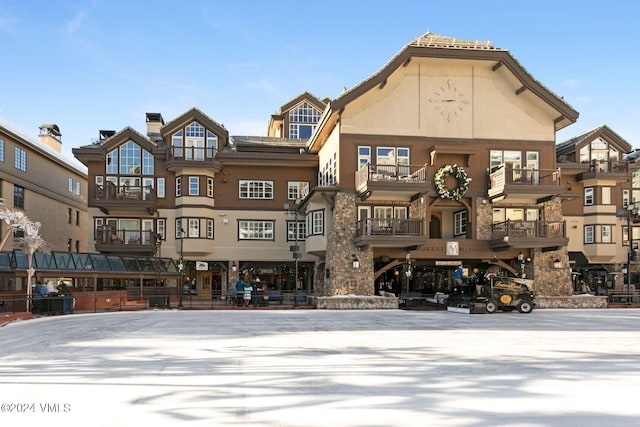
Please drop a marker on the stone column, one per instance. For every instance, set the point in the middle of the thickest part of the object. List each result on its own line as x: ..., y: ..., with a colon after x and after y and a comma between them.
x: 343, y: 278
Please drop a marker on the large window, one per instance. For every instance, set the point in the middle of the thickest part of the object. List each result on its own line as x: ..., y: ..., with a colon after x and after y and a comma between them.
x: 317, y: 222
x: 256, y: 189
x: 194, y: 142
x: 588, y: 196
x: 297, y: 189
x: 296, y: 230
x: 18, y: 196
x: 255, y: 230
x: 515, y: 214
x: 20, y: 161
x: 194, y: 186
x: 460, y: 223
x: 127, y: 164
x: 599, y: 152
x: 364, y: 156
x: 1, y: 150
x: 588, y: 234
x: 303, y: 120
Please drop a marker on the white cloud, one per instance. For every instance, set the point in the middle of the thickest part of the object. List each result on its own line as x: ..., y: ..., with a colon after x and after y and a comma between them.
x: 74, y: 24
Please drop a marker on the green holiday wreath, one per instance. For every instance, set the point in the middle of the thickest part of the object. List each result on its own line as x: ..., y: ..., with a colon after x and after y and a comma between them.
x: 462, y: 182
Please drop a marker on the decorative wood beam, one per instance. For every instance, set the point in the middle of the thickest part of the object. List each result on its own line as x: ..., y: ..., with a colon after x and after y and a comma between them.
x: 496, y: 66
x: 522, y: 89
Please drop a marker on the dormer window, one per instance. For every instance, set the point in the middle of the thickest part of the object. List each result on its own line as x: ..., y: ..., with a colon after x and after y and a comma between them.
x: 195, y: 142
x: 599, y: 152
x: 303, y: 120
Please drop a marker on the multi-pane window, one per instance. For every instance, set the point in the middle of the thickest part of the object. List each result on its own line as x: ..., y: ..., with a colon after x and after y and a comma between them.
x: 588, y: 234
x: 600, y: 153
x: 147, y: 163
x: 514, y: 214
x: 256, y: 189
x: 160, y: 191
x: 212, y: 144
x: 161, y: 228
x: 78, y: 188
x: 178, y: 186
x: 588, y: 196
x: 69, y: 215
x: 297, y: 189
x: 129, y: 160
x: 317, y: 222
x: 255, y: 230
x: 20, y: 161
x: 193, y: 229
x: 303, y: 120
x: 195, y: 142
x: 209, y: 229
x: 460, y: 223
x: 209, y: 187
x: 177, y: 144
x: 605, y: 233
x: 1, y: 150
x: 70, y: 185
x: 18, y: 196
x: 364, y: 156
x: 296, y: 230
x: 77, y: 217
x: 194, y: 186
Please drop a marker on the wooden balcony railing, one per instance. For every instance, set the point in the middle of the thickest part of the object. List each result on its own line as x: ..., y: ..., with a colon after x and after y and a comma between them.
x: 390, y: 227
x: 196, y: 154
x: 608, y: 166
x: 528, y: 229
x: 110, y: 191
x: 391, y: 173
x: 108, y: 236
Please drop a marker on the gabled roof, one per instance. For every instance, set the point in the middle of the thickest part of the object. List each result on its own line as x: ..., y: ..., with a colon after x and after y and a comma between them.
x: 437, y: 46
x: 197, y: 115
x: 97, y: 150
x: 305, y: 96
x: 603, y: 131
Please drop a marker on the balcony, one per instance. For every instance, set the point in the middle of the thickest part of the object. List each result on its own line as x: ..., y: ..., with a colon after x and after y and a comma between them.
x: 126, y: 197
x: 108, y: 240
x: 523, y: 185
x: 390, y: 233
x: 193, y: 157
x: 391, y: 182
x: 548, y: 235
x: 617, y: 170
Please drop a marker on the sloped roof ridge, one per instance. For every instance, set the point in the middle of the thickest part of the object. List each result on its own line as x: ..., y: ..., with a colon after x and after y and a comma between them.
x: 578, y: 138
x: 186, y: 113
x: 430, y: 39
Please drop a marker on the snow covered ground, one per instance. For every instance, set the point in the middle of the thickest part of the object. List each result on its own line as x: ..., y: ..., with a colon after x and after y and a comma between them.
x: 322, y: 368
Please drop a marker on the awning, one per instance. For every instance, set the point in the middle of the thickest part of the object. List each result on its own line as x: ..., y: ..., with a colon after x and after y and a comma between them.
x: 577, y: 259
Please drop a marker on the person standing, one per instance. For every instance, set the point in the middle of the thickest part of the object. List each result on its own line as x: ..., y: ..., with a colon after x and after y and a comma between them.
x: 240, y: 290
x: 458, y: 275
x: 247, y: 292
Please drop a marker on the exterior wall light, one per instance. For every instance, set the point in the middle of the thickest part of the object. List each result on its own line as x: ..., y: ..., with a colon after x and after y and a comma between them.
x: 355, y: 263
x: 557, y: 264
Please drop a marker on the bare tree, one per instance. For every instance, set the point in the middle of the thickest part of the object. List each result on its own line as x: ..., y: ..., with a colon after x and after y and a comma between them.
x: 30, y: 239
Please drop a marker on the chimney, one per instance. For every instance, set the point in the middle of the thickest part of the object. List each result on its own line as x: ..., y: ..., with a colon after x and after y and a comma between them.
x: 51, y: 137
x: 154, y: 123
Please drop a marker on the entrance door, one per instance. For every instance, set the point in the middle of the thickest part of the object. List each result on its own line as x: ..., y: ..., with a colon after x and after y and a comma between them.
x: 204, y: 286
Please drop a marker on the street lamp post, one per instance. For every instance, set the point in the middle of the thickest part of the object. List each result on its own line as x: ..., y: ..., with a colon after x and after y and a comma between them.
x: 180, y: 268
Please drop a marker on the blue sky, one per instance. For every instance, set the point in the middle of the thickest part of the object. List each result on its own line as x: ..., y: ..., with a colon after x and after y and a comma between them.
x: 88, y: 65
